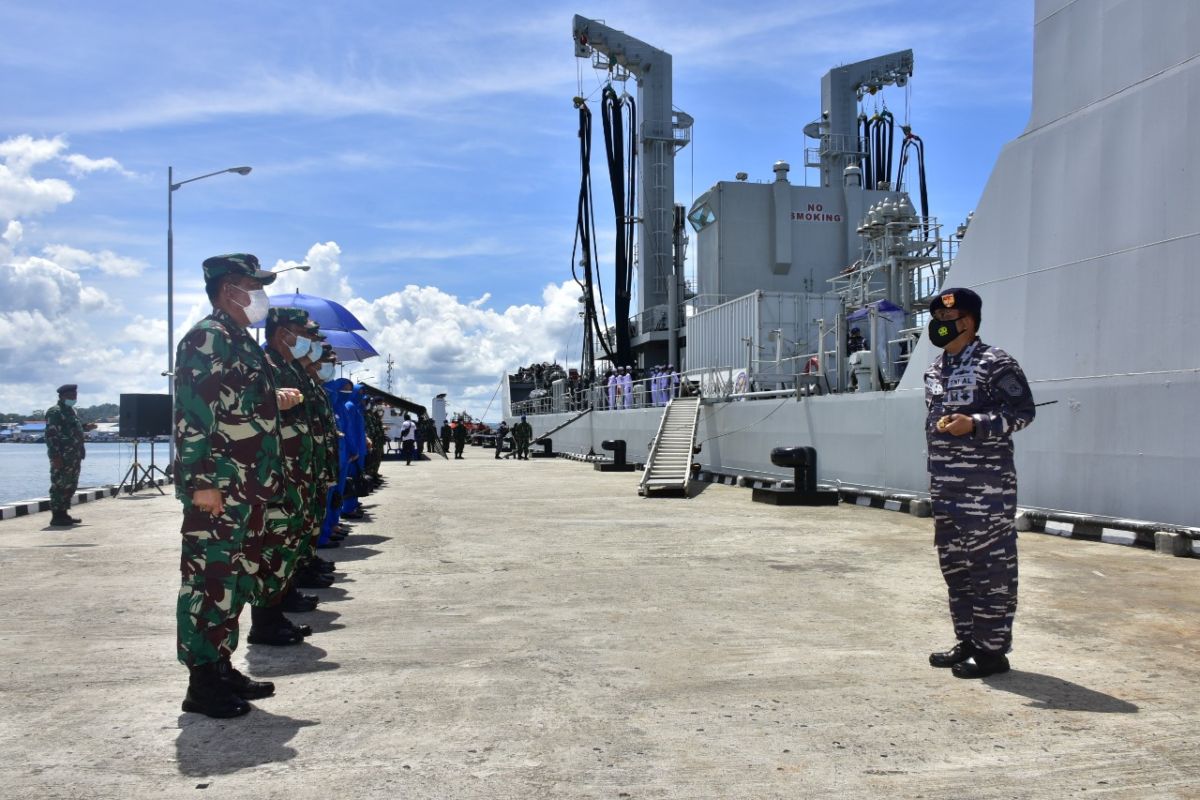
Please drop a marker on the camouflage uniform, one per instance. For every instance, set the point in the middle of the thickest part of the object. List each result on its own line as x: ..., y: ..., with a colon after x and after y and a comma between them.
x: 522, y: 434
x: 64, y: 442
x: 226, y: 438
x: 288, y: 519
x: 973, y: 486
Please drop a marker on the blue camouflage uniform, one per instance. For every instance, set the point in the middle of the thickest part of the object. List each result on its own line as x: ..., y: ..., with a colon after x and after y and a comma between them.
x: 973, y: 487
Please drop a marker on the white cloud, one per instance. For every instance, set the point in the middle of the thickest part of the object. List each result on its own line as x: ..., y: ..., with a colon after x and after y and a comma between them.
x: 106, y: 261
x: 13, y: 232
x: 22, y: 194
x: 439, y: 342
x: 79, y: 164
x: 38, y: 285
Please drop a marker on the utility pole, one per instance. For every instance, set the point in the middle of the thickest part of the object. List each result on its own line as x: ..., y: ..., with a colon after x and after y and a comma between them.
x: 390, y: 363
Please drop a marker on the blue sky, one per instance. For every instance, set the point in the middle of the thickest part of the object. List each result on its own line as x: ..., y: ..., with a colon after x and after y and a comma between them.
x: 423, y: 160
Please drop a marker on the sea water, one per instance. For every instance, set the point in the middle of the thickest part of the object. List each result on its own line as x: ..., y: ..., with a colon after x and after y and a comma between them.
x: 25, y: 468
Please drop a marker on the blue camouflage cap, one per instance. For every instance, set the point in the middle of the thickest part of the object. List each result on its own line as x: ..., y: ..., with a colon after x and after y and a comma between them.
x: 236, y: 264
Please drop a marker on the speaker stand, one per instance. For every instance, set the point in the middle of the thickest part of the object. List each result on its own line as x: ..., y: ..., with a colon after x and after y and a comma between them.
x: 138, y: 476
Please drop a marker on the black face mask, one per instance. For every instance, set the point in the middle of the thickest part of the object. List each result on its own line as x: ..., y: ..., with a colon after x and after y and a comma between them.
x: 943, y: 333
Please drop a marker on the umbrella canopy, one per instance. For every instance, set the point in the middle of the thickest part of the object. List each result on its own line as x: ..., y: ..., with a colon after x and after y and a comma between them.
x: 348, y: 345
x: 331, y: 316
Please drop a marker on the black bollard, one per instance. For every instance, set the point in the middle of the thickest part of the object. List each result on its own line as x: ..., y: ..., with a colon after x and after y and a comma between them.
x: 547, y: 450
x: 803, y: 460
x: 617, y: 446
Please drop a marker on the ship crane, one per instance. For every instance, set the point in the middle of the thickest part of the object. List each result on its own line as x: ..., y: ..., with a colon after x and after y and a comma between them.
x: 662, y: 132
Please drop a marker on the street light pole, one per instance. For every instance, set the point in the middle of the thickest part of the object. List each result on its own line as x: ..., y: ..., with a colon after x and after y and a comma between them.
x: 170, y: 373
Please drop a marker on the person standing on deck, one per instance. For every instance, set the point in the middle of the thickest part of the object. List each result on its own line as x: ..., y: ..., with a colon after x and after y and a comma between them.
x: 64, y: 445
x: 977, y: 398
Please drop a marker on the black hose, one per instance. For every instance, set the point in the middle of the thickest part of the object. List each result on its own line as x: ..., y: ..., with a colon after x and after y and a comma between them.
x: 585, y: 241
x: 614, y: 144
x: 868, y: 176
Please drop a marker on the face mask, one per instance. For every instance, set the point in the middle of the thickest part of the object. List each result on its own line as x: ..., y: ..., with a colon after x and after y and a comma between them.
x: 943, y: 333
x: 314, y: 349
x: 326, y: 372
x: 301, y: 348
x: 256, y: 309
x: 69, y: 403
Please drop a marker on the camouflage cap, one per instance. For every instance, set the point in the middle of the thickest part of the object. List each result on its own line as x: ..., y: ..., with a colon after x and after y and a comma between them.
x: 314, y: 330
x: 327, y: 353
x: 281, y: 315
x: 236, y: 264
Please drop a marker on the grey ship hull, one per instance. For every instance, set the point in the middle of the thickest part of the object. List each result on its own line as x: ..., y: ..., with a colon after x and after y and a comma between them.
x: 1083, y: 248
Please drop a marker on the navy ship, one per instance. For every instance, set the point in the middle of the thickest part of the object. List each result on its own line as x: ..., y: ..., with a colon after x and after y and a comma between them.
x: 804, y: 324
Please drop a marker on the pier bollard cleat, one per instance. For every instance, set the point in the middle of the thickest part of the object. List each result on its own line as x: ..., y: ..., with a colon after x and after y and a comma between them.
x: 804, y: 491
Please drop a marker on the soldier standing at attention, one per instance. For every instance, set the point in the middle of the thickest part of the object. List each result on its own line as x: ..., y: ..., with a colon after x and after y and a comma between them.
x: 286, y: 528
x: 522, y: 434
x: 446, y: 433
x: 228, y: 469
x: 460, y: 438
x: 64, y: 444
x: 977, y: 397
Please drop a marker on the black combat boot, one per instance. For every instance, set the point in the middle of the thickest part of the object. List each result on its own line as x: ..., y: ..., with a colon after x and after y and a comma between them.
x: 955, y: 655
x: 269, y: 626
x: 298, y: 602
x: 59, y: 519
x: 207, y: 694
x: 981, y: 665
x: 321, y: 565
x: 239, y: 684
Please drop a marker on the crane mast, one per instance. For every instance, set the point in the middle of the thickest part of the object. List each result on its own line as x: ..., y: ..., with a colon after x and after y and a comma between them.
x: 661, y: 133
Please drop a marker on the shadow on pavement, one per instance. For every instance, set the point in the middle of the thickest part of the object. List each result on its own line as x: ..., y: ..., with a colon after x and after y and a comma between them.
x: 347, y: 553
x: 273, y: 662
x: 365, y: 538
x: 320, y: 621
x: 223, y: 746
x: 333, y: 594
x: 1049, y: 692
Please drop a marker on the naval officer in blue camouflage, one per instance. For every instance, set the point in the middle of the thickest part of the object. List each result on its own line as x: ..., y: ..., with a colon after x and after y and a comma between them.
x: 977, y: 398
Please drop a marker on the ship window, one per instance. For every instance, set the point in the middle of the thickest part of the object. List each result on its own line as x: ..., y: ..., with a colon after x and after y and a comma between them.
x: 701, y: 217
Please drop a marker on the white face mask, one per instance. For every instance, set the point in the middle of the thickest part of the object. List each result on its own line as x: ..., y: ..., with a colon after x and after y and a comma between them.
x: 314, y: 349
x: 326, y: 372
x: 256, y: 309
x: 301, y: 348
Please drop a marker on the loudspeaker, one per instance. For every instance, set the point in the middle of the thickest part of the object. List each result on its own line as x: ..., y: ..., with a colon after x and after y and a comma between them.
x: 145, y: 415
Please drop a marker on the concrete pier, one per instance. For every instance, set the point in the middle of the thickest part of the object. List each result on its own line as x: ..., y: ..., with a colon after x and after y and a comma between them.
x: 534, y: 629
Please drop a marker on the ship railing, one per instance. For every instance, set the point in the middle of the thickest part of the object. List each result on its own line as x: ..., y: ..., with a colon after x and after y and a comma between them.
x: 708, y: 383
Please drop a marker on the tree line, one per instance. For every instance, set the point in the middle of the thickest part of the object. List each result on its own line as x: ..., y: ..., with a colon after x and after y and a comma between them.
x: 89, y: 414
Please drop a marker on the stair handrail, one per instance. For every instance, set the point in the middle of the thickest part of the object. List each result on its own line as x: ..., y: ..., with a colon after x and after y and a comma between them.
x: 657, y: 441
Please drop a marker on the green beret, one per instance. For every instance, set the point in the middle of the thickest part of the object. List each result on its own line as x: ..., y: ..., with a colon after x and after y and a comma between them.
x: 282, y: 315
x: 67, y: 388
x: 236, y: 264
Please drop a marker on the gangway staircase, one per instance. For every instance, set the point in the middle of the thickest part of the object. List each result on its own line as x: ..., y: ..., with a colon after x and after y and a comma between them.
x: 669, y: 466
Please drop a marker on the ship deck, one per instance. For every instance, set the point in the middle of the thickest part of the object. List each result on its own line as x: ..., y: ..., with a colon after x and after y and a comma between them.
x: 536, y: 630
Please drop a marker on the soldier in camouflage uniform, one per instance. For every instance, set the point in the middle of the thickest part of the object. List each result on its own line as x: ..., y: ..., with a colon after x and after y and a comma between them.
x: 313, y: 572
x: 228, y: 470
x: 64, y: 445
x: 286, y: 529
x: 522, y: 434
x: 977, y: 397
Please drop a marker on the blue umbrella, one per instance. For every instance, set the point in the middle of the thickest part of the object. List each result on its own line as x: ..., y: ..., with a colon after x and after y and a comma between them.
x: 329, y: 315
x: 348, y: 345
